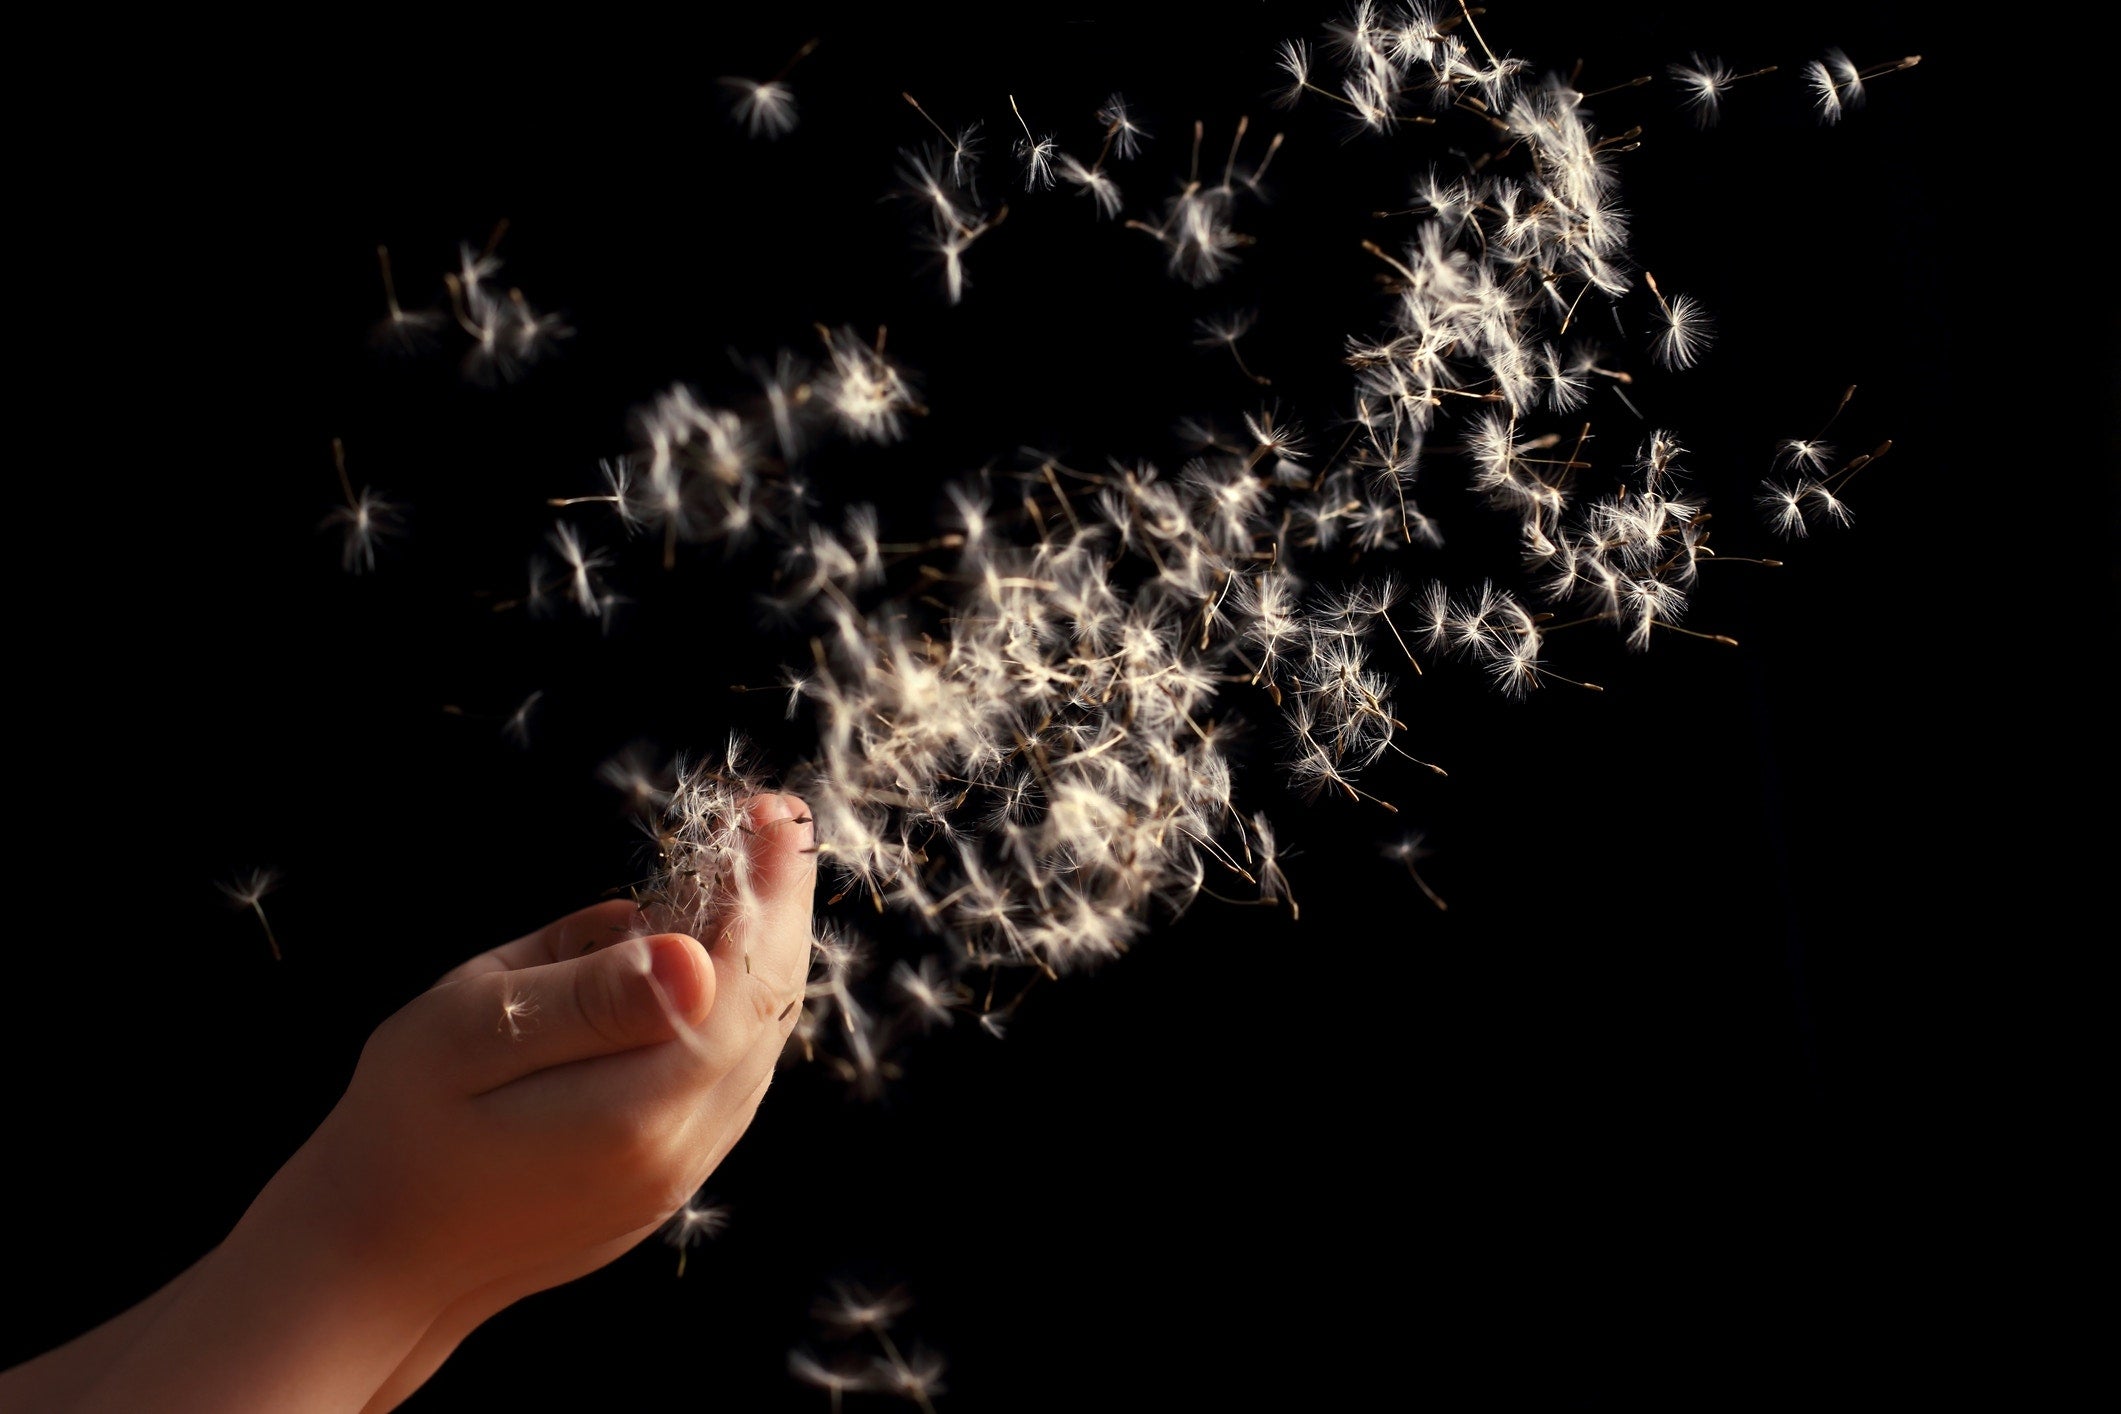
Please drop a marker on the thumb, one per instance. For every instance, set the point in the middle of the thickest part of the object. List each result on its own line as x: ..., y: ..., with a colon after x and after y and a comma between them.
x: 505, y: 1025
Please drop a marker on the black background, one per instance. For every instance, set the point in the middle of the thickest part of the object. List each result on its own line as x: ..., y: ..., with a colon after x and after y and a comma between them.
x: 1676, y: 1074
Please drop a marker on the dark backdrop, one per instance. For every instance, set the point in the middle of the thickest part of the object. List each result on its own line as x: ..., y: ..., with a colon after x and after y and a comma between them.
x: 1671, y: 1073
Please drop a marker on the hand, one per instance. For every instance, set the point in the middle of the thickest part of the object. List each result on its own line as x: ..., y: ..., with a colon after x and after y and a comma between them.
x: 540, y: 1110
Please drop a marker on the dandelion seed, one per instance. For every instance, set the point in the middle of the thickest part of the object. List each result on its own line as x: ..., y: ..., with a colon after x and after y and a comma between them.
x: 1224, y: 331
x: 838, y: 1380
x: 1295, y: 61
x: 475, y: 268
x: 1196, y: 231
x: 853, y: 1308
x: 533, y: 334
x: 1838, y: 84
x: 933, y: 996
x: 517, y: 728
x: 517, y: 1011
x: 693, y: 1224
x: 1684, y: 332
x: 766, y: 107
x: 1273, y: 883
x: 917, y: 1376
x: 1703, y: 84
x: 1847, y: 77
x: 365, y: 521
x: 406, y: 331
x: 870, y: 395
x: 1123, y: 136
x: 583, y: 583
x: 963, y: 146
x: 632, y: 776
x: 1037, y: 153
x: 1091, y: 183
x: 492, y: 357
x: 1803, y: 454
x: 1407, y: 850
x: 248, y: 890
x: 1833, y: 508
x: 1826, y: 90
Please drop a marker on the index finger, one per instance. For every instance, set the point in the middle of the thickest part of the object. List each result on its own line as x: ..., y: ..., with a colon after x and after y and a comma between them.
x: 583, y: 931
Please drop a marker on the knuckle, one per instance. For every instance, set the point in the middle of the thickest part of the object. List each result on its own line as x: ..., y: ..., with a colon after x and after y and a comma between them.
x: 600, y: 1000
x: 392, y: 1036
x: 376, y: 1050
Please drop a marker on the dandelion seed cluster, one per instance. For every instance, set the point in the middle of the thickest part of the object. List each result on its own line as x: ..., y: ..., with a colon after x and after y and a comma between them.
x: 856, y: 1324
x: 1026, y: 719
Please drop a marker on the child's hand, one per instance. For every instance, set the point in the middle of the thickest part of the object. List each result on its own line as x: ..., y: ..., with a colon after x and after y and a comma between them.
x: 538, y: 1111
x: 541, y: 1101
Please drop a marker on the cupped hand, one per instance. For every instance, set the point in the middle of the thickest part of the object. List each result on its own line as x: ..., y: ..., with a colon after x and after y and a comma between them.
x: 541, y: 1109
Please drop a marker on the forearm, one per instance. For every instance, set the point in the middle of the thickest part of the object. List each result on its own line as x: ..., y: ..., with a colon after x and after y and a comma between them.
x: 268, y: 1321
x: 57, y: 1378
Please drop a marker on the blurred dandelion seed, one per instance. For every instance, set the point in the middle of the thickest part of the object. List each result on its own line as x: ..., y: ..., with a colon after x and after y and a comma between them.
x: 406, y: 331
x: 1407, y: 850
x: 365, y: 520
x: 248, y: 890
x: 693, y: 1224
x: 766, y: 107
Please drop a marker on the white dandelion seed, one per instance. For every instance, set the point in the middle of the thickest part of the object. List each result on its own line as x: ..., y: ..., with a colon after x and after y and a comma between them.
x: 1703, y: 82
x: 693, y: 1224
x: 517, y: 727
x: 1847, y: 78
x: 851, y: 1308
x: 840, y: 1378
x: 1295, y: 61
x: 403, y: 330
x: 364, y: 521
x: 916, y: 1375
x: 1123, y: 135
x: 518, y: 1009
x: 765, y: 108
x: 1409, y: 850
x: 869, y: 394
x: 932, y: 995
x: 1803, y: 453
x: 583, y: 567
x: 1828, y: 504
x: 1091, y: 182
x: 1826, y: 90
x: 1684, y: 332
x: 1036, y: 152
x: 248, y: 891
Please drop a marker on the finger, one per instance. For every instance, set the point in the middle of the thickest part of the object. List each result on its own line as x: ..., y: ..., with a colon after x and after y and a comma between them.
x: 496, y: 1027
x: 688, y: 1094
x: 582, y: 931
x: 760, y: 962
x: 765, y: 931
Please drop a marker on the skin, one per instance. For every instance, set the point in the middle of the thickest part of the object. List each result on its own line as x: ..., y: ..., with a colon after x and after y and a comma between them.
x: 540, y: 1110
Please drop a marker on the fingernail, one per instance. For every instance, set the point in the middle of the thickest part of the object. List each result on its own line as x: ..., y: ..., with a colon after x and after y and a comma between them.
x: 677, y: 974
x: 774, y: 810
